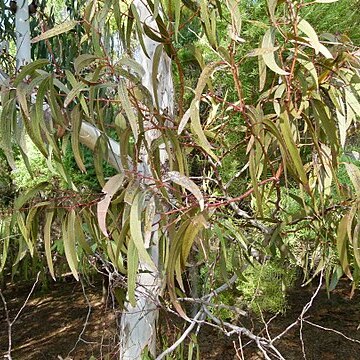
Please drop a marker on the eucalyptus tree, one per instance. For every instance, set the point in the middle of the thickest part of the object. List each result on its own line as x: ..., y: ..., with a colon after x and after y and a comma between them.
x: 155, y: 219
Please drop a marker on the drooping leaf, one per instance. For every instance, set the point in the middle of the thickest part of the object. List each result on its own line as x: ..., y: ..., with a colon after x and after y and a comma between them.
x: 111, y: 187
x: 47, y: 241
x: 268, y: 42
x: 68, y: 230
x: 125, y: 101
x: 136, y: 229
x: 188, y: 184
x: 306, y: 28
x: 133, y: 264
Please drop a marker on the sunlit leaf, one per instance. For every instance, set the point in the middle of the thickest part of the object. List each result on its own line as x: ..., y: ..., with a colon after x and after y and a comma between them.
x: 56, y: 30
x: 111, y: 187
x: 268, y: 42
x: 188, y: 184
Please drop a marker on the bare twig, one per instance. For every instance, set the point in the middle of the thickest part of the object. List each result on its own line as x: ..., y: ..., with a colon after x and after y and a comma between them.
x: 332, y: 330
x: 301, y: 318
x: 86, y: 320
x: 262, y: 343
x: 7, y: 314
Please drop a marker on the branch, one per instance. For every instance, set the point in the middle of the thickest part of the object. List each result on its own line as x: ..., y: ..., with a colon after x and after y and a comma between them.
x: 182, y: 337
x: 7, y: 314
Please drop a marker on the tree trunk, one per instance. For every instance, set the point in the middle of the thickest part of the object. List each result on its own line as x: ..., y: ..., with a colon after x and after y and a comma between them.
x: 138, y: 323
x: 22, y: 26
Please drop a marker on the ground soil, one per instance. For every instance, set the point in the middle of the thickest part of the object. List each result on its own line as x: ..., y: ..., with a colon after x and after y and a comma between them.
x: 52, y: 326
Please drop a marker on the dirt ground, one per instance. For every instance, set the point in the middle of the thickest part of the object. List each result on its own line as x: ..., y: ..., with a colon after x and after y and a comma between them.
x: 52, y: 326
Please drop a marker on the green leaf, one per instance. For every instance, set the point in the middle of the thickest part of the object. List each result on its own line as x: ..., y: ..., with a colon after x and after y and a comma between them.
x: 354, y: 175
x: 323, y: 115
x: 197, y: 130
x: 83, y: 61
x: 136, y: 229
x: 155, y: 68
x: 75, y: 127
x: 195, y: 225
x: 268, y: 42
x: 56, y: 30
x: 70, y: 243
x: 291, y: 147
x: 75, y: 91
x: 188, y: 184
x: 111, y: 187
x: 306, y: 28
x: 272, y: 7
x: 29, y: 69
x: 133, y: 264
x: 342, y: 245
x: 125, y: 101
x: 47, y: 241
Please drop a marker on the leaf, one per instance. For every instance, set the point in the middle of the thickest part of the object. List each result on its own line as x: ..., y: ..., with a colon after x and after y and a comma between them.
x: 47, y: 241
x: 272, y: 7
x: 323, y: 116
x: 133, y: 264
x: 75, y: 127
x: 354, y: 175
x: 155, y: 68
x: 306, y: 28
x: 183, y: 122
x: 188, y: 184
x: 136, y: 229
x: 83, y: 61
x: 325, y: 1
x: 310, y: 67
x: 29, y: 70
x: 268, y: 42
x: 341, y: 244
x: 110, y: 189
x: 173, y: 260
x: 233, y: 6
x: 75, y: 91
x: 56, y: 30
x: 291, y: 147
x: 262, y: 73
x: 70, y: 244
x: 190, y: 234
x: 125, y: 101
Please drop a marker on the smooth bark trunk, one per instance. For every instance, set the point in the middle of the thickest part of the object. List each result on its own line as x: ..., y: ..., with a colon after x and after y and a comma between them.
x: 138, y: 323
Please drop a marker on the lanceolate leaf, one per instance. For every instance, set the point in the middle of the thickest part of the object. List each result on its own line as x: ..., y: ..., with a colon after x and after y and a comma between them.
x: 272, y: 7
x: 47, y: 241
x: 354, y: 175
x: 268, y: 42
x: 56, y: 30
x: 70, y: 243
x: 83, y: 61
x: 342, y: 245
x: 125, y: 101
x: 195, y: 225
x: 188, y: 184
x: 306, y: 28
x: 75, y: 126
x: 133, y: 264
x: 136, y: 232
x: 291, y: 147
x: 109, y: 189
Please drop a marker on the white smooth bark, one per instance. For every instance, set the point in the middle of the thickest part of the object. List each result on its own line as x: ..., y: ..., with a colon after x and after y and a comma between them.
x: 22, y: 28
x: 138, y: 323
